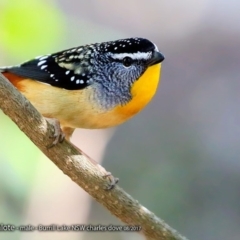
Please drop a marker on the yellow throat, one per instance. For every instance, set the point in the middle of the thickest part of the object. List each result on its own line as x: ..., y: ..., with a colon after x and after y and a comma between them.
x: 142, y: 92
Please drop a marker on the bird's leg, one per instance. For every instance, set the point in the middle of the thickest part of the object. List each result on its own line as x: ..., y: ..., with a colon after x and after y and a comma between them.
x: 66, y: 132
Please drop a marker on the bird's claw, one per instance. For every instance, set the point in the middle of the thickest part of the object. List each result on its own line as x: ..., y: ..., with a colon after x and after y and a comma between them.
x: 113, y: 181
x: 58, y: 133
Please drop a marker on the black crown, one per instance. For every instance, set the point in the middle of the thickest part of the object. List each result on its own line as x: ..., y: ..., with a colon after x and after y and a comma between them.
x: 128, y: 45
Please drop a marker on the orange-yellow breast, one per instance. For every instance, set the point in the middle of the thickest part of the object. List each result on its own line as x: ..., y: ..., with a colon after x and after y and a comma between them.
x: 142, y: 92
x: 77, y: 109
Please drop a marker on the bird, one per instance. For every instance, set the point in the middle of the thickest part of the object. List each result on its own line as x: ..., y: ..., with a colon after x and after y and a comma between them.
x: 93, y: 86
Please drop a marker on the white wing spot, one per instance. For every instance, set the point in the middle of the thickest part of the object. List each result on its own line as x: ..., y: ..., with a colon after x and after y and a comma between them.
x: 43, y: 67
x: 41, y: 63
x: 52, y: 75
x: 89, y: 80
x: 81, y: 81
x: 72, y: 78
x: 43, y: 57
x: 67, y: 72
x: 78, y: 81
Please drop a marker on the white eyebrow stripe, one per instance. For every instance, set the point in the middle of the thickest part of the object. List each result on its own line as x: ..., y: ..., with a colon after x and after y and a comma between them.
x: 156, y: 48
x: 135, y: 56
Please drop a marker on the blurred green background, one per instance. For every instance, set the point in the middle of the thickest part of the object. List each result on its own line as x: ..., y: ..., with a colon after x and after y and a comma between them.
x: 180, y: 157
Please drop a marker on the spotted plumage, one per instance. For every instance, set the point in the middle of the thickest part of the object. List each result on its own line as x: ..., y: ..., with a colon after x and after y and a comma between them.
x: 93, y: 86
x: 77, y: 68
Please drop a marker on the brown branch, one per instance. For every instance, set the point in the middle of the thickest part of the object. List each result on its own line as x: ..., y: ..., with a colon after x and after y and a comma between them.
x: 82, y: 170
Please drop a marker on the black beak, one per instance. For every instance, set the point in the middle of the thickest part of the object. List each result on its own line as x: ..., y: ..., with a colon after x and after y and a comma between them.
x: 157, y: 57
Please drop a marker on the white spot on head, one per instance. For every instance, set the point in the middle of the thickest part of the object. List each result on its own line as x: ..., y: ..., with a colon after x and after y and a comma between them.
x: 41, y: 63
x: 43, y: 67
x: 67, y: 72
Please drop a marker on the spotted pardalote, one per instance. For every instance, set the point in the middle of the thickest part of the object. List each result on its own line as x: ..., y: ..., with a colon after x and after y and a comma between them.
x: 93, y: 86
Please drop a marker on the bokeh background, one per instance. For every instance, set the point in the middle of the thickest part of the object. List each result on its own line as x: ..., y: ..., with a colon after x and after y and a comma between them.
x: 180, y: 157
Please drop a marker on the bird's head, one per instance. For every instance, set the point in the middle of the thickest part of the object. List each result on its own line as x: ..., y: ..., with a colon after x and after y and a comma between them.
x: 119, y: 65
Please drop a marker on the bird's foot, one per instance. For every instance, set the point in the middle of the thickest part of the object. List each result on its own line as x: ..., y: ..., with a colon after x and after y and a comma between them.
x: 58, y: 134
x: 113, y: 181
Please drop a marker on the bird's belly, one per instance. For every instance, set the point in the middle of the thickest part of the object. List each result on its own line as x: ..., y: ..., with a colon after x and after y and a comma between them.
x: 91, y: 120
x: 73, y: 108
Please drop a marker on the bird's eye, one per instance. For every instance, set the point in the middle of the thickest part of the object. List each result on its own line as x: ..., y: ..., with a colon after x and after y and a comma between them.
x: 127, y: 61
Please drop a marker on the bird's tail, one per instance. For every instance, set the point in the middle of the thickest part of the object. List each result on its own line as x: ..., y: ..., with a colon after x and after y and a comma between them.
x: 5, y: 68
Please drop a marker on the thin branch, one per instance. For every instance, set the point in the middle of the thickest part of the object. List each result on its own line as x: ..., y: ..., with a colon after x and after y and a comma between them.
x: 79, y: 167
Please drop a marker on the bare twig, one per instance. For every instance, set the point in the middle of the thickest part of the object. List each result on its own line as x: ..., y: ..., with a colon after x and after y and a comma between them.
x: 80, y: 168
